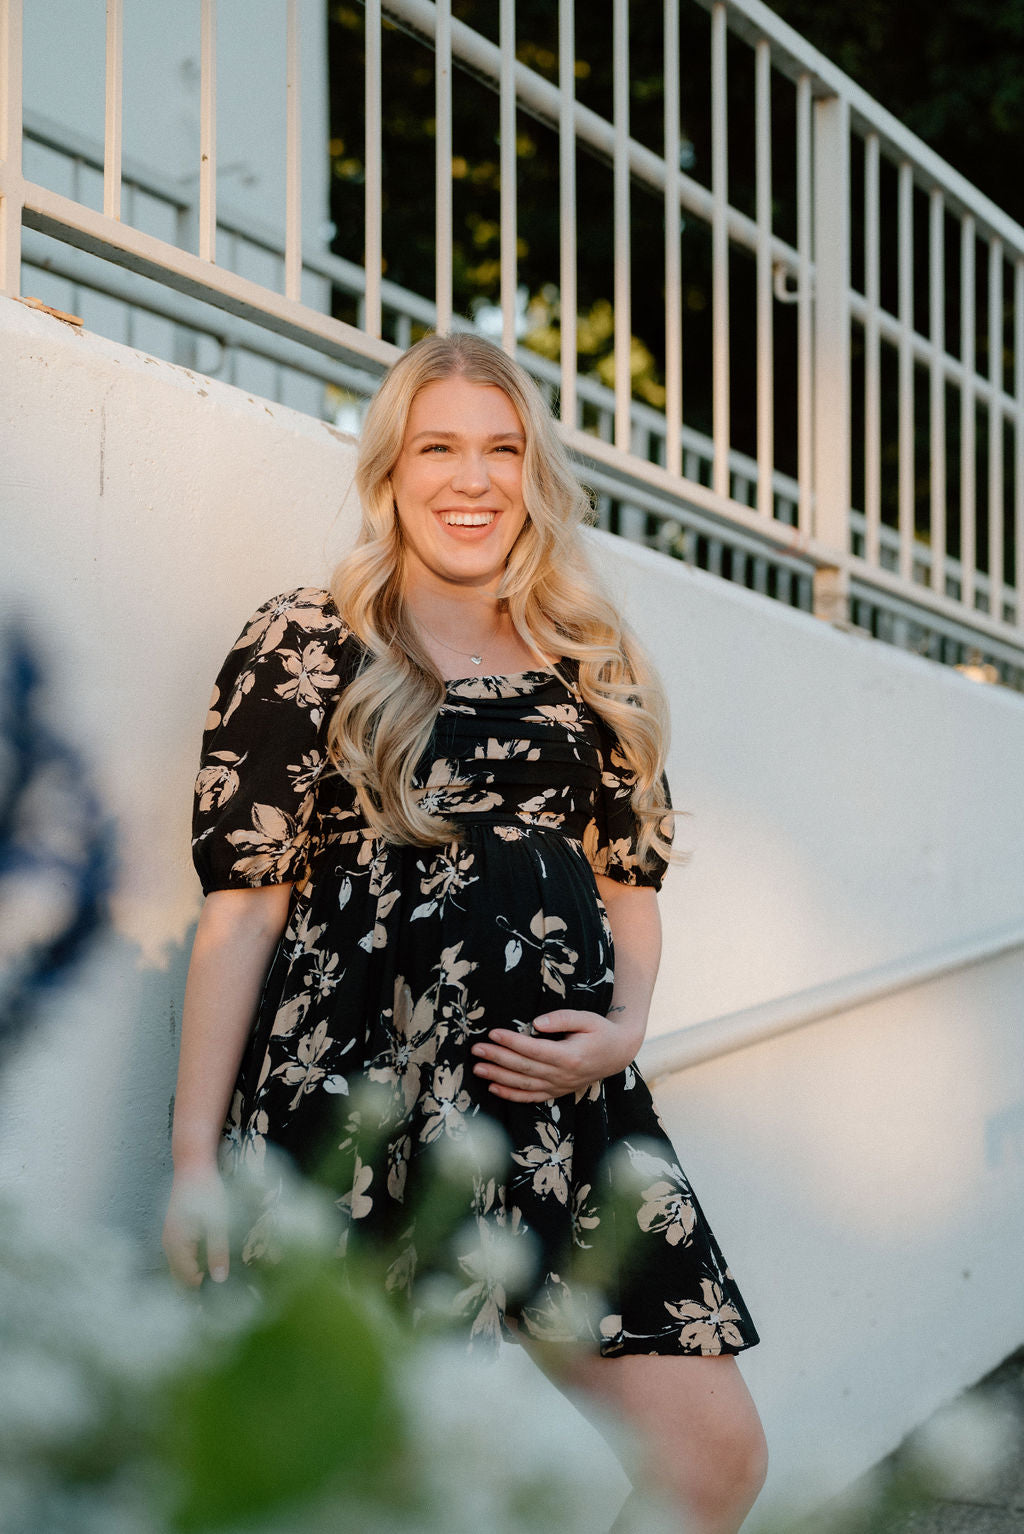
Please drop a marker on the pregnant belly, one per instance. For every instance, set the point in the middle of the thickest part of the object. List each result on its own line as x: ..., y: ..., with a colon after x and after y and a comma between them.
x: 521, y: 909
x: 395, y: 981
x: 508, y: 927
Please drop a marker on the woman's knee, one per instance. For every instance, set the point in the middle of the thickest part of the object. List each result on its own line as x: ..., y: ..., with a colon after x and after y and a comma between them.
x: 751, y: 1449
x: 721, y: 1479
x: 697, y: 1427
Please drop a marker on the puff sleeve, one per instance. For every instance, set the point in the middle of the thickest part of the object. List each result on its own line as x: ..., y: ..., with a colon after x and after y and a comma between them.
x: 611, y: 841
x: 264, y: 745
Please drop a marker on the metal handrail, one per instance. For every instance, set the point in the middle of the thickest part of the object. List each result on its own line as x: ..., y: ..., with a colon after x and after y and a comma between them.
x: 351, y: 278
x: 677, y: 1051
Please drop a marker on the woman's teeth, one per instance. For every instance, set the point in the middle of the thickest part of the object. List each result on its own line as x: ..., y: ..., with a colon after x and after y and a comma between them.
x: 467, y: 518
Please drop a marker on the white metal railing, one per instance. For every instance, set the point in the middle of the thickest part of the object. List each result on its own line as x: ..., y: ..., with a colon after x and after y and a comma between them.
x: 904, y: 575
x: 684, y: 1047
x: 23, y: 202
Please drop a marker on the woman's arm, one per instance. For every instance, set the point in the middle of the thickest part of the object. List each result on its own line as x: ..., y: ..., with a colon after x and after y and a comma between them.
x: 237, y: 934
x: 527, y: 1069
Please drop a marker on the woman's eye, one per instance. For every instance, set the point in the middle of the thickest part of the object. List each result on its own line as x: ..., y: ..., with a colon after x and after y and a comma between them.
x: 436, y: 447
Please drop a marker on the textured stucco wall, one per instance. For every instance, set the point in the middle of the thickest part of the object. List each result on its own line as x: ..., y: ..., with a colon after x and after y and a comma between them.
x: 847, y: 804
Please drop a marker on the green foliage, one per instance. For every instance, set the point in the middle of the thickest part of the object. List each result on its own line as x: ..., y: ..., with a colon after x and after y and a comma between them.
x: 257, y: 1427
x: 292, y: 1398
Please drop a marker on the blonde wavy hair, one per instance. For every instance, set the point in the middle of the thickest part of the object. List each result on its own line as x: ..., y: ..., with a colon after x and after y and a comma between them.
x: 383, y: 721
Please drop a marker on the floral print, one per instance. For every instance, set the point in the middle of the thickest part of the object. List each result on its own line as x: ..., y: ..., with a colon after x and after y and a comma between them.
x: 709, y: 1324
x: 667, y: 1209
x: 395, y: 959
x: 548, y: 1161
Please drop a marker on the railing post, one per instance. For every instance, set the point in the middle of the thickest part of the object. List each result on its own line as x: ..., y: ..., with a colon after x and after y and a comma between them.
x: 10, y: 147
x: 373, y: 253
x: 208, y: 131
x: 832, y: 354
x: 114, y: 110
x: 567, y: 210
x: 508, y: 217
x: 443, y: 286
x: 293, y: 153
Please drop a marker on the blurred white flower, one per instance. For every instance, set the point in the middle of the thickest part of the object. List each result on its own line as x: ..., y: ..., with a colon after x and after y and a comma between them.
x: 480, y: 1151
x: 89, y: 1341
x: 43, y: 1399
x: 966, y: 1446
x: 496, y: 1254
x: 465, y: 1412
x: 79, y: 1297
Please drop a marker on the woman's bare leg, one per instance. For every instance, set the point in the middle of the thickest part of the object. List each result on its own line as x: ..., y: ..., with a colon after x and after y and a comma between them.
x: 701, y: 1438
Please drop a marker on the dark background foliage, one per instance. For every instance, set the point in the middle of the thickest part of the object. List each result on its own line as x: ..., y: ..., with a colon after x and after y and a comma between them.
x: 953, y: 72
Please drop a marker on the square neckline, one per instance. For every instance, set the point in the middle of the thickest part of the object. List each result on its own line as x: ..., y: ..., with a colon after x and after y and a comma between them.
x: 552, y: 673
x: 499, y: 676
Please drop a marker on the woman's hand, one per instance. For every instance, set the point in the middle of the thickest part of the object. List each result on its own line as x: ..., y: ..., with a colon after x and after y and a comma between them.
x: 529, y: 1068
x: 195, y: 1238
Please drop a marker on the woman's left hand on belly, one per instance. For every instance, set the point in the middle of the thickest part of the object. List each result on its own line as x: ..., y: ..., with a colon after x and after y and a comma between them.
x: 529, y: 1068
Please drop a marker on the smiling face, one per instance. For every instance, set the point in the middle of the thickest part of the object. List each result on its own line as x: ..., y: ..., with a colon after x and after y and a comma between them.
x: 458, y: 484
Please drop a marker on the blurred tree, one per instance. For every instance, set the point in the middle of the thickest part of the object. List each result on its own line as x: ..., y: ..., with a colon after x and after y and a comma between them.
x: 953, y: 73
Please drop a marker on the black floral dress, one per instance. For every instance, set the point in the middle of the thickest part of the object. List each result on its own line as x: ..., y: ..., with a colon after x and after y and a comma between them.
x: 395, y: 959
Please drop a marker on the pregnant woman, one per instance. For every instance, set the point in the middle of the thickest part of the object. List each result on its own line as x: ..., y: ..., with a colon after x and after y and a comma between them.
x: 430, y: 824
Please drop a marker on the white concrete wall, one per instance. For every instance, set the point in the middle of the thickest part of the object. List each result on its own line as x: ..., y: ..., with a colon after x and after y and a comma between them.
x: 146, y: 511
x: 848, y: 804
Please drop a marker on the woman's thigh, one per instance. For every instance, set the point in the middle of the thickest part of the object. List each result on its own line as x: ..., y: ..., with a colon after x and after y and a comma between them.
x: 698, y: 1433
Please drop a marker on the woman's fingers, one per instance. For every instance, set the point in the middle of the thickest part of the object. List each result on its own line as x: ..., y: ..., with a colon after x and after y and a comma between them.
x: 568, y: 1020
x: 503, y: 1043
x: 548, y: 1078
x: 522, y: 1046
x: 511, y: 1072
x: 511, y: 1095
x: 523, y: 1067
x: 519, y: 1082
x: 181, y: 1251
x: 217, y: 1253
x: 197, y: 1219
x: 511, y: 1059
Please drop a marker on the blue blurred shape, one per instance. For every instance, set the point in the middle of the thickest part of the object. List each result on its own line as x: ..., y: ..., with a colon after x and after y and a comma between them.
x: 56, y: 847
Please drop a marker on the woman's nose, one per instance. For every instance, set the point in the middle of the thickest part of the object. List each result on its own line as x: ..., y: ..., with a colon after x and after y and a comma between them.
x: 471, y: 476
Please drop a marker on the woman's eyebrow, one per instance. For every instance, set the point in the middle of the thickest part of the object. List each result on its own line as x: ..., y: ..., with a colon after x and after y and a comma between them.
x: 496, y: 436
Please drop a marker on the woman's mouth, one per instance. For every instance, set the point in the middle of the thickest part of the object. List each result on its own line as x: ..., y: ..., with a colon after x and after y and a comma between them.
x: 467, y: 518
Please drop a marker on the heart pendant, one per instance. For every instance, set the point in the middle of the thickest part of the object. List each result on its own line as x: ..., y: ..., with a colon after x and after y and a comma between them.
x: 476, y: 659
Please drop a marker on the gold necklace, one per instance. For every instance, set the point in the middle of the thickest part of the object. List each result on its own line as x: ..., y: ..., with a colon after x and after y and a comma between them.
x: 466, y: 654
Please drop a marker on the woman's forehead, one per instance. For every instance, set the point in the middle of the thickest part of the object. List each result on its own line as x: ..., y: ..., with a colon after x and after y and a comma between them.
x: 457, y: 404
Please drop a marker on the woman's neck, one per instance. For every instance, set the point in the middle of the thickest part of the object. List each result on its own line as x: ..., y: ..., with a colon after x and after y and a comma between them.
x: 470, y: 613
x: 467, y: 632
